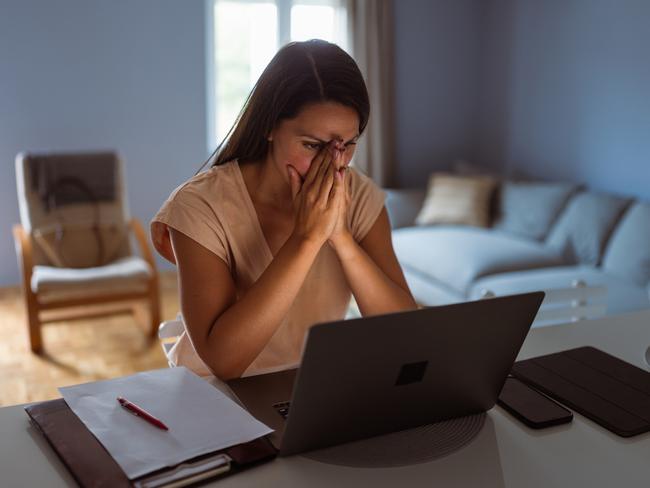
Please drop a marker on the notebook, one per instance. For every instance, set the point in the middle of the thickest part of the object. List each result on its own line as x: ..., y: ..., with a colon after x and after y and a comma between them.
x: 200, y: 418
x: 603, y: 388
x: 92, y: 466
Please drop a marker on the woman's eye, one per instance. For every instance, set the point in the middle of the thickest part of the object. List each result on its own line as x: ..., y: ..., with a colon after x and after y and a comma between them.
x: 317, y: 146
x: 312, y: 145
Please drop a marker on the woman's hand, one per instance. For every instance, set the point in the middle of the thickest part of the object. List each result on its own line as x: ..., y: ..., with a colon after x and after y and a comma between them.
x: 317, y: 200
x: 341, y: 232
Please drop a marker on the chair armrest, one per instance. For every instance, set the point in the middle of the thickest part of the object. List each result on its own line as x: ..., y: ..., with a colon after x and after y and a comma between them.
x: 25, y: 253
x: 143, y: 244
x: 403, y: 205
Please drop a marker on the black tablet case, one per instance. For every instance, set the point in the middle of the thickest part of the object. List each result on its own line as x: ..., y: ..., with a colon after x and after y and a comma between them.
x: 607, y: 390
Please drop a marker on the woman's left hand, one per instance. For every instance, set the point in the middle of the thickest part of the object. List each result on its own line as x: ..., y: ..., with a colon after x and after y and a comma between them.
x: 341, y: 231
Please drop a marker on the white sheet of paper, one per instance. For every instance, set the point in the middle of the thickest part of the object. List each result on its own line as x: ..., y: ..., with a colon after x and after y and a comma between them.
x: 200, y: 418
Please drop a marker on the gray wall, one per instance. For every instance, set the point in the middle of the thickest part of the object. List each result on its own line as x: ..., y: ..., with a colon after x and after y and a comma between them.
x: 88, y: 74
x: 551, y: 89
x: 437, y: 49
x: 566, y: 92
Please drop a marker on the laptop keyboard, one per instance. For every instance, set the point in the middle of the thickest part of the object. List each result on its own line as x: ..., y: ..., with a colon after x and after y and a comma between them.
x: 283, y: 409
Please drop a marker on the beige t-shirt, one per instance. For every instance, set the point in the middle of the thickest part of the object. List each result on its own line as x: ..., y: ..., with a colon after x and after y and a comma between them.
x: 214, y: 209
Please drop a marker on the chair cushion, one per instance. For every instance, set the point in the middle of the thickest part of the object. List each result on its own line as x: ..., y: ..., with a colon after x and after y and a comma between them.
x: 126, y: 275
x: 622, y: 295
x: 457, y: 200
x: 628, y: 252
x: 582, y: 231
x: 456, y: 256
x: 529, y: 209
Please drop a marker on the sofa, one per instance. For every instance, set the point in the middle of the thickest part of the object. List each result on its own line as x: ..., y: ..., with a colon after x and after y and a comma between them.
x: 543, y: 236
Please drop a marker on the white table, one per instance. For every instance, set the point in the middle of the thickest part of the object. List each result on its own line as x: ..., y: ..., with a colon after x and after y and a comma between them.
x: 505, y: 453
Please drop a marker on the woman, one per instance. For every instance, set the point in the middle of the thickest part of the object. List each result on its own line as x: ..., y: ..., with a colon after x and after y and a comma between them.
x: 279, y: 233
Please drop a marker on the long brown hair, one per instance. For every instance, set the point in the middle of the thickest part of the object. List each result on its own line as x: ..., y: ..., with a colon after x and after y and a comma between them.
x: 300, y: 73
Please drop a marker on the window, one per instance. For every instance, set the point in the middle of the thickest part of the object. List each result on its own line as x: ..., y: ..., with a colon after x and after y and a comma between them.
x: 245, y: 34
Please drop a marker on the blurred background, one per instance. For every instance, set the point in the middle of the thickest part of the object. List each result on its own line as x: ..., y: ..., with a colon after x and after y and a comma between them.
x: 544, y: 89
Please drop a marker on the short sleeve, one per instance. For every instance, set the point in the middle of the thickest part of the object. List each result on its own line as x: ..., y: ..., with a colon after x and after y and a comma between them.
x: 366, y: 203
x: 187, y: 211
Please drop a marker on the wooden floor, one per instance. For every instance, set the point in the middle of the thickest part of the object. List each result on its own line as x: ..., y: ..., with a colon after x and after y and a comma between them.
x: 75, y: 351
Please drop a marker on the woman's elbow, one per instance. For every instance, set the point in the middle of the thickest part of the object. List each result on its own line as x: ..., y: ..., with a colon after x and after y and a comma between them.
x: 226, y: 372
x: 223, y: 366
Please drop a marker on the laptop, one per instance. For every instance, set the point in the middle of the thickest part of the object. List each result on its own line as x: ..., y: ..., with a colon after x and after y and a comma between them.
x: 365, y: 377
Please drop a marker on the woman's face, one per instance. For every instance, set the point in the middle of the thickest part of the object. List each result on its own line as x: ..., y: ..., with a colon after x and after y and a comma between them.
x: 296, y: 142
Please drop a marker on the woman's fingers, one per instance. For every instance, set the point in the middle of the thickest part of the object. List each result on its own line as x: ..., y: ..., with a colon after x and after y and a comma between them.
x: 337, y: 192
x: 326, y: 185
x: 316, y: 165
x: 295, y: 181
x: 321, y: 203
x: 316, y: 185
x: 325, y: 164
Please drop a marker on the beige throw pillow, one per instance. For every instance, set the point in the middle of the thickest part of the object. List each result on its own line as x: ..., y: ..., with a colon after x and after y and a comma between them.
x: 460, y: 200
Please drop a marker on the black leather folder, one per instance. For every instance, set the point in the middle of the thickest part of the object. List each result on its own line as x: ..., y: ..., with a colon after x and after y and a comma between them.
x: 604, y: 388
x: 92, y: 466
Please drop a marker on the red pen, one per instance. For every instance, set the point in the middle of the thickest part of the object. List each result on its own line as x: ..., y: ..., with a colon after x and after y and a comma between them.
x: 141, y: 412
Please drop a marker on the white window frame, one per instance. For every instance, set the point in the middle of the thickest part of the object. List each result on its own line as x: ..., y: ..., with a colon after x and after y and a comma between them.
x: 284, y: 36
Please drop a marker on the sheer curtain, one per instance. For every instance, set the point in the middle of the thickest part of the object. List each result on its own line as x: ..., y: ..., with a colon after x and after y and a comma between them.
x: 370, y: 27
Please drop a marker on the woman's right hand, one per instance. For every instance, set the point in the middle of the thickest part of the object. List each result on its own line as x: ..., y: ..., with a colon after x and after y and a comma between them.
x: 316, y: 200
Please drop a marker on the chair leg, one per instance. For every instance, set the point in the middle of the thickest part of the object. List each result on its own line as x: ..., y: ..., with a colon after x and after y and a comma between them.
x: 33, y: 323
x: 154, y: 308
x: 26, y: 263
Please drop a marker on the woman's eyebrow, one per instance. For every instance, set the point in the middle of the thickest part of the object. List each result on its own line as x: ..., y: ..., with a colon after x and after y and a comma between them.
x: 325, y: 142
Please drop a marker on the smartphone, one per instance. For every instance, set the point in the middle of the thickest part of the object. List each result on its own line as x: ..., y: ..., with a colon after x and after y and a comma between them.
x: 531, y: 407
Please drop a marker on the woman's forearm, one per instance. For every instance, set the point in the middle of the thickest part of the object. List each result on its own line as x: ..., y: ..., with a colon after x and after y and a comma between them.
x: 240, y: 333
x: 374, y: 292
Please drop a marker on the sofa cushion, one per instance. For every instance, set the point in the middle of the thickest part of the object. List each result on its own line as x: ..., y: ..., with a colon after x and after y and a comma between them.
x: 456, y: 256
x: 622, y: 295
x: 459, y: 200
x: 585, y: 226
x: 529, y: 209
x: 429, y: 292
x: 628, y: 251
